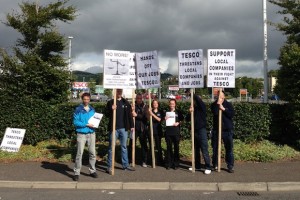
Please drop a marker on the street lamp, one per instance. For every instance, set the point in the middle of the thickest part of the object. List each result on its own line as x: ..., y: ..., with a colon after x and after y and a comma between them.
x: 70, y: 48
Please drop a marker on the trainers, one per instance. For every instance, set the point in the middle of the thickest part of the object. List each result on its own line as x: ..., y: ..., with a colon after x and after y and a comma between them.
x: 196, y: 169
x: 207, y: 171
x: 128, y: 168
x: 76, y: 178
x: 108, y: 170
x: 144, y: 165
x: 94, y: 175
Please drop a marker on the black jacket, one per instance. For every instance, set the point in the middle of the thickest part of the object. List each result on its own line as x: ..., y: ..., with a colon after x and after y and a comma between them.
x: 141, y: 118
x: 227, y: 115
x: 199, y: 113
x: 128, y: 120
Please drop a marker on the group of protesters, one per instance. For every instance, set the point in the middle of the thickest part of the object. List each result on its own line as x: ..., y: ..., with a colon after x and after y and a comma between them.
x: 135, y: 119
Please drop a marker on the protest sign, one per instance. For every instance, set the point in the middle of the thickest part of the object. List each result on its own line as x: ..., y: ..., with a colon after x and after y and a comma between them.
x: 221, y: 68
x: 12, y: 139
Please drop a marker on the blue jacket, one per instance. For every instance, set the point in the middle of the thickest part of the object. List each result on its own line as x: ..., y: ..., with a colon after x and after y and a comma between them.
x: 81, y: 118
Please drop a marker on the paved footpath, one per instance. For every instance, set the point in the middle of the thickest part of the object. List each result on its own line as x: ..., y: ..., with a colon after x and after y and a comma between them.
x: 279, y: 176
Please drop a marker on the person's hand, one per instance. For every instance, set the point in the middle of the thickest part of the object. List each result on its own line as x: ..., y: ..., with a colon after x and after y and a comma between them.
x: 134, y: 114
x: 191, y: 109
x: 114, y: 107
x: 222, y: 107
x: 176, y: 123
x: 167, y: 117
x: 150, y: 112
x: 132, y: 130
x: 90, y: 125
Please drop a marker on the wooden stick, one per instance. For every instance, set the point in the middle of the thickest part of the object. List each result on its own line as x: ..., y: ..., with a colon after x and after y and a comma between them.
x: 113, y: 144
x: 151, y: 133
x: 192, y: 131
x: 219, y: 135
x: 133, y: 133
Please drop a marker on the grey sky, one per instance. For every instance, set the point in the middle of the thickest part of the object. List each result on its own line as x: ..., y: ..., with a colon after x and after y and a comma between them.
x: 166, y: 26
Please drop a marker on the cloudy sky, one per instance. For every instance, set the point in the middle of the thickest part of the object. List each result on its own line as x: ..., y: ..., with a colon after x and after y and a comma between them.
x: 166, y: 26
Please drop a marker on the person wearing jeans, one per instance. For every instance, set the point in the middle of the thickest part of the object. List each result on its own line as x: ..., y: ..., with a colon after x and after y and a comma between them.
x: 124, y: 122
x: 85, y: 134
x: 227, y: 131
x: 201, y: 142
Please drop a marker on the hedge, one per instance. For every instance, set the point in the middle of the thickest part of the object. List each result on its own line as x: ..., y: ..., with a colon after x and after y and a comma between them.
x: 43, y: 121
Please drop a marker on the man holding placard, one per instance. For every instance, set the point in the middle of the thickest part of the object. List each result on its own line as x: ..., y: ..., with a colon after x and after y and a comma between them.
x: 124, y: 122
x: 85, y: 134
x: 227, y: 130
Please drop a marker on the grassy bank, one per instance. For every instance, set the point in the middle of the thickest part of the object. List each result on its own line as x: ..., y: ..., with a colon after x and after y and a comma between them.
x: 64, y: 151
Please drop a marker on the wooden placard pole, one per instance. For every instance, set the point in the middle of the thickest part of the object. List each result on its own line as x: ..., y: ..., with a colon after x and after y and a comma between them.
x: 151, y: 132
x: 219, y: 135
x: 133, y: 133
x: 113, y: 136
x: 192, y: 131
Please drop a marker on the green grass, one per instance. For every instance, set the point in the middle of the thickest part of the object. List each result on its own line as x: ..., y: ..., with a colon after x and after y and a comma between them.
x: 64, y: 151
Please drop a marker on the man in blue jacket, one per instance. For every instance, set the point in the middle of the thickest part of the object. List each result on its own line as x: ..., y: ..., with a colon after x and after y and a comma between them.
x: 85, y: 134
x: 227, y: 131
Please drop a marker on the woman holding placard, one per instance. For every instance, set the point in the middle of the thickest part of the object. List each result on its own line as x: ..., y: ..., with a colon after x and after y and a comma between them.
x: 157, y: 117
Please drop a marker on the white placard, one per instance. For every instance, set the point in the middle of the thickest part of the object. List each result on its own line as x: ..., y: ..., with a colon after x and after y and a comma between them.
x: 171, y: 118
x: 132, y: 71
x: 116, y: 69
x: 147, y: 70
x: 96, y: 119
x: 190, y: 68
x: 221, y: 68
x: 12, y: 139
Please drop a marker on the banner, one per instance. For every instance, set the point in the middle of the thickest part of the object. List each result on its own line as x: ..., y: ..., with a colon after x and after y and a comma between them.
x: 80, y: 85
x: 116, y: 69
x: 191, y: 70
x: 132, y: 71
x: 221, y: 68
x: 12, y: 139
x: 147, y: 69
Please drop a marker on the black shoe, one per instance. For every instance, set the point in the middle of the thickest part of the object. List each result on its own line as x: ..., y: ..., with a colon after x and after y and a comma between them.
x: 94, y: 175
x: 230, y: 170
x: 128, y: 168
x: 108, y: 170
x: 167, y: 168
x: 76, y: 178
x: 175, y: 168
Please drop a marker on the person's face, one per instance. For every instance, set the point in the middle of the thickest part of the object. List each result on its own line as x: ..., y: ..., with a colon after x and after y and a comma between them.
x: 86, y: 100
x: 155, y: 104
x: 139, y: 99
x: 119, y: 93
x: 172, y: 105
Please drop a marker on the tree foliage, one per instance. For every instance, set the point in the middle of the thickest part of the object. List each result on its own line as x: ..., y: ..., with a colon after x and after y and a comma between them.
x: 288, y: 82
x: 37, y: 68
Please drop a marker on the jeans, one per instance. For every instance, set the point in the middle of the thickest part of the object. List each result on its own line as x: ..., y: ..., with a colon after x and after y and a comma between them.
x: 81, y: 140
x: 172, y: 157
x: 227, y: 137
x: 122, y: 135
x: 201, y: 144
x: 143, y: 137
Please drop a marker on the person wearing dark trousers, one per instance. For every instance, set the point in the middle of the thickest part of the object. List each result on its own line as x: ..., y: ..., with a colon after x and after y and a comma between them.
x: 124, y: 122
x: 85, y: 134
x: 172, y: 137
x: 157, y: 117
x: 227, y: 131
x: 200, y: 142
x: 141, y: 129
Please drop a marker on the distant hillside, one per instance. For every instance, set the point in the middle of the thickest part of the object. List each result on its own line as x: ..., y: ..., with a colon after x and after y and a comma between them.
x: 94, y: 70
x: 81, y: 76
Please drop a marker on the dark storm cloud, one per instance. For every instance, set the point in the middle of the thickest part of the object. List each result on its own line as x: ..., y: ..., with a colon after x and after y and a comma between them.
x: 166, y: 26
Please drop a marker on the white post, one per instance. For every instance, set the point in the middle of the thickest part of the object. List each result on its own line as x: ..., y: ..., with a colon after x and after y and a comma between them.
x: 265, y: 52
x: 70, y: 49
